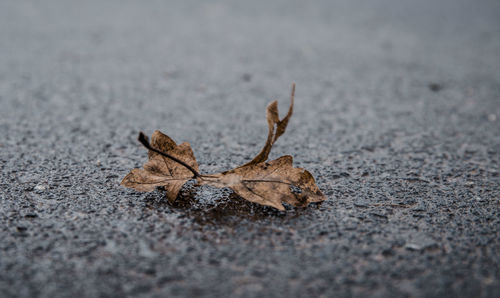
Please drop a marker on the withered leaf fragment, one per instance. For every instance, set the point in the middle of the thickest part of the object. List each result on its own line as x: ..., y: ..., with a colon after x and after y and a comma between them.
x: 276, y: 128
x: 267, y: 183
x: 161, y: 170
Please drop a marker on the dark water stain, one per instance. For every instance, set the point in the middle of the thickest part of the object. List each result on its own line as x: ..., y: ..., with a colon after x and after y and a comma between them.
x: 208, y: 205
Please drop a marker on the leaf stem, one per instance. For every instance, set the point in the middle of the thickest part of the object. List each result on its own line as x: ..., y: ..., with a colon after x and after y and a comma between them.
x: 268, y: 181
x: 144, y: 141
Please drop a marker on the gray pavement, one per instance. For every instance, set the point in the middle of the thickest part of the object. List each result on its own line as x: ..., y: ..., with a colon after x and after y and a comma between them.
x: 397, y: 116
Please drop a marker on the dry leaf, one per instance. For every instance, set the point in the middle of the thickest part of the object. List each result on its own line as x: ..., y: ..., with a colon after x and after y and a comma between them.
x: 161, y: 170
x: 269, y: 183
x: 266, y: 183
x: 276, y: 128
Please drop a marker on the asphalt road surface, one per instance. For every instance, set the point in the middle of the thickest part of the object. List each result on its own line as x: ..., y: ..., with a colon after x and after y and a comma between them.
x: 397, y: 116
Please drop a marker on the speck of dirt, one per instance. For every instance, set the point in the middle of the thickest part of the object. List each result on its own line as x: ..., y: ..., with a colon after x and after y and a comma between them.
x: 435, y: 87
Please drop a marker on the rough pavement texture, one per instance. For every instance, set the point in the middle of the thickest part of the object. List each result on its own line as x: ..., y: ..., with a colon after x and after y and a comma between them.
x: 397, y: 116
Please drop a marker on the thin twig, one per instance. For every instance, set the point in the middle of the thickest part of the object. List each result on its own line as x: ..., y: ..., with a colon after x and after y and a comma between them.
x: 144, y: 141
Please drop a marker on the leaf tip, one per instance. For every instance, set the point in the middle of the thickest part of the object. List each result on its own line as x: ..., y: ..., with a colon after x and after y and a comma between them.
x: 143, y: 139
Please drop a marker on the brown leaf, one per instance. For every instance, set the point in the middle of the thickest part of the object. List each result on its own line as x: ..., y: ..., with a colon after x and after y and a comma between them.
x: 276, y: 128
x: 162, y: 171
x: 266, y: 183
x: 269, y: 183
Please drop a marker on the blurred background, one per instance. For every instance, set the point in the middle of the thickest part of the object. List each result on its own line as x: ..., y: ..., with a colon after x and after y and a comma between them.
x: 171, y: 50
x: 224, y: 42
x: 179, y: 55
